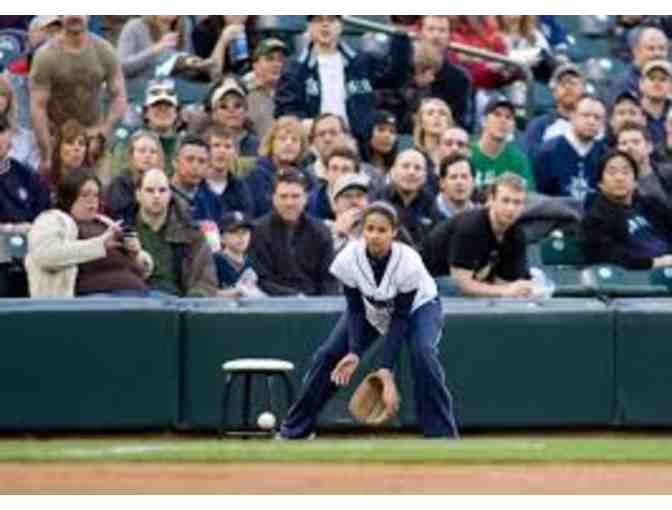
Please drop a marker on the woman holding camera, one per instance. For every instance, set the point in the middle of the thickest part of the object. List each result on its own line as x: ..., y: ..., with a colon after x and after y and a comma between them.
x: 75, y: 251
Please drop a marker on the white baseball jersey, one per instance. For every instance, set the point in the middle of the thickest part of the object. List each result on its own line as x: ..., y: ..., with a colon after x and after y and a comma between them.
x: 405, y: 272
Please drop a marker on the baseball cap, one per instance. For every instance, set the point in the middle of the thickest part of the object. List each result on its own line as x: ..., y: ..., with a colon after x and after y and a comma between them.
x: 562, y: 70
x: 350, y: 181
x: 660, y: 64
x: 498, y: 101
x: 384, y: 117
x: 234, y: 220
x: 626, y: 95
x: 40, y: 22
x: 268, y: 46
x: 161, y: 92
x: 228, y: 86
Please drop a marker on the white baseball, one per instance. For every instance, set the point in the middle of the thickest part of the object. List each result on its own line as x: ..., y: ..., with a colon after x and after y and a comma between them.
x: 266, y: 421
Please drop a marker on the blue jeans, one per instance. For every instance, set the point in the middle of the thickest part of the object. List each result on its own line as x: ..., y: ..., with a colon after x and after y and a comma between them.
x: 434, y: 406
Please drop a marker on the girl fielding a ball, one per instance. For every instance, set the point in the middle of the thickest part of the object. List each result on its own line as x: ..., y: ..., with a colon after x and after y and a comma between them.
x: 388, y: 292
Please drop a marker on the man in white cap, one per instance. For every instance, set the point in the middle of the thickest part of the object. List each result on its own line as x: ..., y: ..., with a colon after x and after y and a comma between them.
x: 161, y: 115
x: 227, y: 106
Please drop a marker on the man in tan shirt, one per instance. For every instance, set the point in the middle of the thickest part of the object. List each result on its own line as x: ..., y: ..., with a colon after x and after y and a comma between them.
x: 68, y: 76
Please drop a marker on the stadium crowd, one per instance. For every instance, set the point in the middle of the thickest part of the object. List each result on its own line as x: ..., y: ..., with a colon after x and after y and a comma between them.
x: 233, y: 156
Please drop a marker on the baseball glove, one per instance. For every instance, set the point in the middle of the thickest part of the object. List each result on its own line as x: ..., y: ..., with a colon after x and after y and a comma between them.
x: 367, y: 404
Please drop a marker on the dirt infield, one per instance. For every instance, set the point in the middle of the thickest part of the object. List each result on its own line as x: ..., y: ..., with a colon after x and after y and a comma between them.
x: 332, y: 479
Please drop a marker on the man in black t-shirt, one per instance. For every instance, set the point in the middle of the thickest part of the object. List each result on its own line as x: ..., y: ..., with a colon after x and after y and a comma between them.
x: 487, y: 254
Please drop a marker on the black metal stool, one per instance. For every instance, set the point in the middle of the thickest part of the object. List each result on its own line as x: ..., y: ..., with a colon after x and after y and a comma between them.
x: 247, y: 369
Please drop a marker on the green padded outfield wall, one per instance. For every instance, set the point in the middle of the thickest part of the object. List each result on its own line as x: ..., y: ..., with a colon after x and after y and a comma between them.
x: 96, y: 366
x: 518, y: 364
x: 644, y: 362
x: 507, y: 364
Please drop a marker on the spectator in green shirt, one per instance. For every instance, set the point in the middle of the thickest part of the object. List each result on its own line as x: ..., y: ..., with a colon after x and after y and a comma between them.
x: 493, y: 154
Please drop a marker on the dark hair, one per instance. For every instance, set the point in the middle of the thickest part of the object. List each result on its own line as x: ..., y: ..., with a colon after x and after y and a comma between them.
x: 345, y: 152
x: 67, y: 132
x: 389, y: 158
x: 384, y: 209
x: 211, y: 28
x: 453, y: 160
x: 625, y: 96
x: 615, y: 154
x: 5, y: 123
x: 191, y: 139
x: 71, y: 185
x: 291, y: 176
x: 321, y: 117
x: 632, y: 126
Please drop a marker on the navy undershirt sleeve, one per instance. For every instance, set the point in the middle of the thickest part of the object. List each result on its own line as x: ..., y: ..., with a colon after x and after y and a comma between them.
x: 356, y: 319
x: 403, y: 304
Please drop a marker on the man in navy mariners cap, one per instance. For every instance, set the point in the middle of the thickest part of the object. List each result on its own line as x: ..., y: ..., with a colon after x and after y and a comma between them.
x: 568, y: 85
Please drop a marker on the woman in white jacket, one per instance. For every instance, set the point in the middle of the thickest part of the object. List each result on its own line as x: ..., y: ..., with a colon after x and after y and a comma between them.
x: 54, y: 250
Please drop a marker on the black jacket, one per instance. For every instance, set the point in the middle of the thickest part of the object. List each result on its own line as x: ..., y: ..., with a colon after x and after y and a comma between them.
x: 605, y: 230
x: 299, y: 91
x: 452, y: 84
x: 418, y: 217
x: 289, y: 268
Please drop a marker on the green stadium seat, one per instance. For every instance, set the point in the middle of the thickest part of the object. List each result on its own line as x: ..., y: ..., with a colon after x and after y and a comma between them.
x: 563, y: 259
x: 614, y: 281
x: 562, y: 251
x: 662, y: 276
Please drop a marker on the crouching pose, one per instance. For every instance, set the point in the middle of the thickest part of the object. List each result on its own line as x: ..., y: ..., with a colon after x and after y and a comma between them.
x: 390, y: 293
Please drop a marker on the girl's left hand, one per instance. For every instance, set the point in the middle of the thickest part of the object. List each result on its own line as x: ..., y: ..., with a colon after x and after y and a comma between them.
x: 345, y: 369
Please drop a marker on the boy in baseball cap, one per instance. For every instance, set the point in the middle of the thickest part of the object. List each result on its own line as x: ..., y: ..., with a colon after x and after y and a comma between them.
x: 234, y: 268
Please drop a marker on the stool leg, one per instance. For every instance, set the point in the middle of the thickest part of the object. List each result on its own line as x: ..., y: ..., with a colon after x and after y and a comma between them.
x: 247, y: 396
x: 269, y: 395
x: 289, y: 389
x: 224, y: 421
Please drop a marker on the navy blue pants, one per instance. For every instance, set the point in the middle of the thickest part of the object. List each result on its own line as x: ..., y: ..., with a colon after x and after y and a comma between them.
x: 434, y: 408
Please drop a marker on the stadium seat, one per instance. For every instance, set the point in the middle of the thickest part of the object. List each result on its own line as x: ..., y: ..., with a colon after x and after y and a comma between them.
x: 563, y: 260
x: 614, y: 281
x: 662, y: 276
x: 559, y: 250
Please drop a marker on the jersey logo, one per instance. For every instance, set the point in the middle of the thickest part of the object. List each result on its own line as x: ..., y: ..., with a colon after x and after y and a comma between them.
x: 637, y: 223
x: 579, y: 188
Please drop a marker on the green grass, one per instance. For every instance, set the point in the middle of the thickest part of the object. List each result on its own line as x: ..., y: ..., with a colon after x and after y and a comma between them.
x: 399, y: 450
